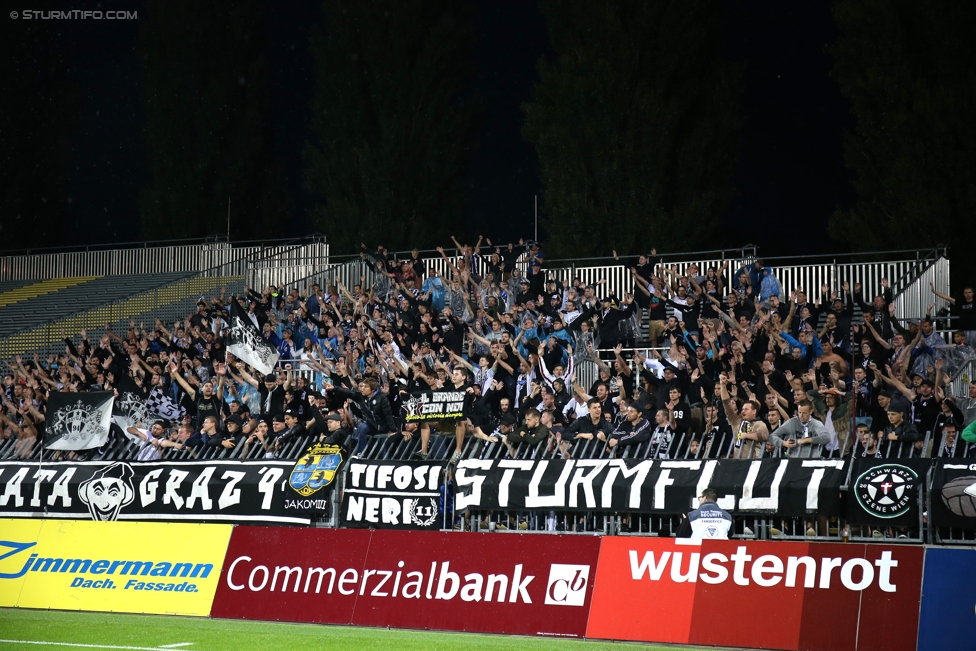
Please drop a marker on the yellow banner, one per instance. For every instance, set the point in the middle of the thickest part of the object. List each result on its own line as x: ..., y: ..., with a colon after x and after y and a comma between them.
x: 129, y: 567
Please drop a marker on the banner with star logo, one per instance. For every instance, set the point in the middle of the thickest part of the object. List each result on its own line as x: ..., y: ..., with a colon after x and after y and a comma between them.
x: 887, y: 492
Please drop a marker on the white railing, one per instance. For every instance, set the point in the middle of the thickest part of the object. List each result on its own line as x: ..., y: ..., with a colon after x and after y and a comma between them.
x: 190, y: 258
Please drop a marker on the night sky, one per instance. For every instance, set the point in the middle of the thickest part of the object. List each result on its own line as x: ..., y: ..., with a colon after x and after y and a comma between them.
x: 790, y: 178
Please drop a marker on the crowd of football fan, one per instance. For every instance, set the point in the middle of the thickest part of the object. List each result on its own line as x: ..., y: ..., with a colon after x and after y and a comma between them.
x: 734, y: 368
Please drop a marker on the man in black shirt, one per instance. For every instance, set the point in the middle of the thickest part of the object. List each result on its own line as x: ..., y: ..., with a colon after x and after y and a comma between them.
x: 609, y: 320
x: 679, y: 411
x: 964, y: 310
x: 586, y: 428
x: 336, y: 433
x: 374, y: 409
x: 294, y: 430
x: 206, y: 401
x: 272, y: 395
x: 925, y: 408
x: 634, y: 430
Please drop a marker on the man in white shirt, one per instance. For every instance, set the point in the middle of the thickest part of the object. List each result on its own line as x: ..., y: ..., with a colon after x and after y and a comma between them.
x: 153, y: 441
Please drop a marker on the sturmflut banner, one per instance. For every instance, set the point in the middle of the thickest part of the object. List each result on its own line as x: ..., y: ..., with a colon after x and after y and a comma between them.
x: 78, y: 421
x: 257, y: 492
x: 788, y: 487
x: 393, y: 495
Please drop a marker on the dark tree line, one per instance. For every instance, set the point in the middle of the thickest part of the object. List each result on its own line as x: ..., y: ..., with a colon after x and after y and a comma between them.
x: 907, y: 69
x: 39, y: 108
x: 394, y: 127
x: 635, y: 120
x: 204, y: 75
x: 635, y: 123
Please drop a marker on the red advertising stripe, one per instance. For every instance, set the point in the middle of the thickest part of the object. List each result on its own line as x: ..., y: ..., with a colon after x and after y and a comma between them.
x: 771, y: 595
x: 889, y: 613
x: 491, y: 583
x: 639, y: 593
x: 748, y: 596
x: 527, y: 584
x: 289, y: 574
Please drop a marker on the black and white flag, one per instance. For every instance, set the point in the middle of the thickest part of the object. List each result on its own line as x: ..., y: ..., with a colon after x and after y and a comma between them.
x: 130, y: 407
x: 163, y: 406
x: 247, y: 344
x: 78, y: 421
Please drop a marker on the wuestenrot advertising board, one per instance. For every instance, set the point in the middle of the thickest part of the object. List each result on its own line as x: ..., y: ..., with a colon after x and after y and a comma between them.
x: 773, y: 595
x: 513, y: 583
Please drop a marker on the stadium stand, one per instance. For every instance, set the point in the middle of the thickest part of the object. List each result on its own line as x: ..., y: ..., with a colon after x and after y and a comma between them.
x: 724, y: 327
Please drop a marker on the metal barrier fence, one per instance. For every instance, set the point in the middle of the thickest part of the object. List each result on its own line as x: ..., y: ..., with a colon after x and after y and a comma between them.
x: 150, y: 257
x: 442, y: 445
x: 908, y: 278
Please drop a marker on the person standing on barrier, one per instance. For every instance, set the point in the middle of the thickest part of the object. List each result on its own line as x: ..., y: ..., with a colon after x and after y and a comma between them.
x: 749, y: 430
x: 708, y: 522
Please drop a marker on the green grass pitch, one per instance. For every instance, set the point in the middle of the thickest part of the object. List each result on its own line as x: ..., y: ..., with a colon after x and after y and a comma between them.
x: 36, y: 630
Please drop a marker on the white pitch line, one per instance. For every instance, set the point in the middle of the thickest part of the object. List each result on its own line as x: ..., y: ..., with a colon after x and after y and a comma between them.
x: 174, y: 646
x: 88, y: 646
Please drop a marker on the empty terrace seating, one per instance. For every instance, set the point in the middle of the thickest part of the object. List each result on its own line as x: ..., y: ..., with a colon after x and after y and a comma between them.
x: 40, y: 303
x: 20, y: 292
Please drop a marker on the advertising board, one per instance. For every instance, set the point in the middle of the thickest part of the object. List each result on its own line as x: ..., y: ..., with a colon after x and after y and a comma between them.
x: 947, y: 621
x: 129, y: 567
x: 758, y: 594
x: 490, y: 583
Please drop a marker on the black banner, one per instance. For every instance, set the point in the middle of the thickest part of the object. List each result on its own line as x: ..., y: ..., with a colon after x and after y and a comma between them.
x: 954, y: 494
x: 433, y: 405
x: 393, y: 495
x: 885, y: 492
x: 787, y: 487
x: 252, y: 492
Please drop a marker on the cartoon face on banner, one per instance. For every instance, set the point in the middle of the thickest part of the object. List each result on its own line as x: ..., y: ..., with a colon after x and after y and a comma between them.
x: 108, y: 491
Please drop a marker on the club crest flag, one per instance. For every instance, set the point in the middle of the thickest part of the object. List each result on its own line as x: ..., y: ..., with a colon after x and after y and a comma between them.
x: 247, y: 344
x: 78, y: 421
x: 130, y: 407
